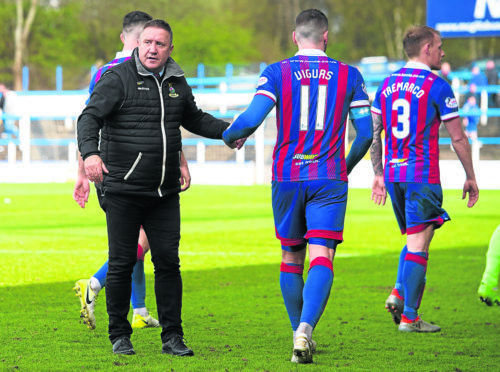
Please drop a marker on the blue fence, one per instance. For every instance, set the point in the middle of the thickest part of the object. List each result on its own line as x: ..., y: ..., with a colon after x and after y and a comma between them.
x: 203, y: 84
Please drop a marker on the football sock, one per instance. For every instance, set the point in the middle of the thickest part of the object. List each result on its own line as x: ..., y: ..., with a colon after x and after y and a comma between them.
x: 305, y: 328
x: 292, y: 284
x: 101, y: 274
x: 142, y: 311
x: 316, y: 290
x: 95, y: 285
x: 492, y: 270
x: 138, y: 297
x: 414, y: 282
x: 399, y: 278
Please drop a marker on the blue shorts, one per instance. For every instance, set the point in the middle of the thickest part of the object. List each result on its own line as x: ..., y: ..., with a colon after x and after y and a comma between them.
x: 309, y: 209
x: 417, y: 205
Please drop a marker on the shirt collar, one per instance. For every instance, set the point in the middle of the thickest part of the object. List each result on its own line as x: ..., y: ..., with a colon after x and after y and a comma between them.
x: 123, y: 53
x: 160, y: 74
x: 310, y: 52
x: 417, y: 65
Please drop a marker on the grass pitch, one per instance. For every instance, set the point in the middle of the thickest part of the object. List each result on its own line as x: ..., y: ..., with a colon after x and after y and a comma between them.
x: 234, y: 317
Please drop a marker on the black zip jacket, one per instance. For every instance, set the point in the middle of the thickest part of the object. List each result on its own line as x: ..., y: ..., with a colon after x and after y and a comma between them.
x: 137, y: 118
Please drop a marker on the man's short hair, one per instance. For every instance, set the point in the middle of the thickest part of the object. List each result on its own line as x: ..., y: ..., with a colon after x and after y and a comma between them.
x: 134, y: 19
x: 415, y: 37
x: 311, y: 24
x: 160, y: 23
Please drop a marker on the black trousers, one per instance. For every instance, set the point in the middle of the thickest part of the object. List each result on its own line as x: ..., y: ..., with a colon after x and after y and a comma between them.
x: 160, y: 218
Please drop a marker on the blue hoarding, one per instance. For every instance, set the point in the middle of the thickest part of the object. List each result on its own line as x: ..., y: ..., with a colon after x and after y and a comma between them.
x: 464, y: 18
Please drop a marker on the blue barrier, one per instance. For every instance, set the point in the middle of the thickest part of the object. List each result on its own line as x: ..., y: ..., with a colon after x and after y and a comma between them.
x: 482, y: 140
x: 201, y: 80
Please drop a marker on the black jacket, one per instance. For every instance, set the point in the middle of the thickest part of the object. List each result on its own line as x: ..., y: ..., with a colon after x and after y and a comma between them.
x: 138, y: 119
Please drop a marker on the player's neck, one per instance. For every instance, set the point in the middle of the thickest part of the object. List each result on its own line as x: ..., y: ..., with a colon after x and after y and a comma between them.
x: 419, y: 60
x: 312, y: 46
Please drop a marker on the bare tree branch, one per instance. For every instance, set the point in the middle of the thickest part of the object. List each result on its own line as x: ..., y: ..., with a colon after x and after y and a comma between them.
x: 21, y: 33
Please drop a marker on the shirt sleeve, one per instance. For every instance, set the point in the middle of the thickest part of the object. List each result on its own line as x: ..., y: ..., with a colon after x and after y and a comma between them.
x: 360, y: 98
x: 267, y: 84
x: 447, y: 103
x: 376, y: 107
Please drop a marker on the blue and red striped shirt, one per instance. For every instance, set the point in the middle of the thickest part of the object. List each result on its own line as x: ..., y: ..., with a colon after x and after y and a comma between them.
x: 413, y: 102
x: 119, y: 58
x: 313, y: 94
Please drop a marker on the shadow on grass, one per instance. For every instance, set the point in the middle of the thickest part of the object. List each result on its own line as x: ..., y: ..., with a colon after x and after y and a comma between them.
x: 234, y: 319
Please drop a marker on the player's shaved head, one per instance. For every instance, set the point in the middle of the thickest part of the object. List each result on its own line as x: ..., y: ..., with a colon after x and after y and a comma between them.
x: 134, y: 19
x: 415, y: 38
x: 311, y: 24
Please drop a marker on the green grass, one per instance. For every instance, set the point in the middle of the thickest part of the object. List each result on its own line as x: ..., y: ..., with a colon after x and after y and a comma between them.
x: 234, y: 317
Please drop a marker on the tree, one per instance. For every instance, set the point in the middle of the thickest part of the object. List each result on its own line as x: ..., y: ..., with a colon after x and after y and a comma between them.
x: 22, y: 31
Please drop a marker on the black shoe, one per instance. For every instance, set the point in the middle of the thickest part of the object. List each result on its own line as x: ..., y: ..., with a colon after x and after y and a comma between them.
x: 123, y: 346
x: 176, y: 346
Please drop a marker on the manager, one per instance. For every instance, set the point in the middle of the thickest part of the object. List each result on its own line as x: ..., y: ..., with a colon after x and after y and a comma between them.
x: 130, y: 140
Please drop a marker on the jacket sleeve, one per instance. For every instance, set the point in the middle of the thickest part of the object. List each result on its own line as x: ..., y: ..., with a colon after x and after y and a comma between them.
x: 201, y: 123
x: 105, y: 99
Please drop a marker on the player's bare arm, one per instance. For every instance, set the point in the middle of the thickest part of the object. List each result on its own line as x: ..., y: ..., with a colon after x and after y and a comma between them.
x: 362, y: 123
x: 81, y: 190
x: 376, y: 147
x: 462, y: 148
x: 379, y: 193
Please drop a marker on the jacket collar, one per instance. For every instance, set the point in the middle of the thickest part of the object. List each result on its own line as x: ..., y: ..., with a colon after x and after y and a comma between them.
x: 171, y: 67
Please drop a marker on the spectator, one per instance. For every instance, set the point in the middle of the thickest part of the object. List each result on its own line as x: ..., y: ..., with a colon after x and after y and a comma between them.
x: 470, y: 120
x: 3, y: 92
x: 476, y: 82
x: 7, y: 126
x: 478, y: 78
x: 492, y: 78
x: 445, y: 72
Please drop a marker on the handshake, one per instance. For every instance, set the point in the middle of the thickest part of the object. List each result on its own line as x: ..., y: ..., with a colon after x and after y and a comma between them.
x: 238, y: 144
x: 235, y: 143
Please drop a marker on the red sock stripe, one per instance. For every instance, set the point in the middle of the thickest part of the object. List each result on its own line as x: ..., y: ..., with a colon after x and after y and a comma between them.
x: 293, y: 269
x: 321, y: 261
x: 140, y: 253
x: 404, y: 319
x: 396, y: 293
x: 416, y: 258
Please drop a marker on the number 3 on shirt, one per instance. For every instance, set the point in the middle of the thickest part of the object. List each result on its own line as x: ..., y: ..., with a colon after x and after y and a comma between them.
x: 320, y: 108
x: 402, y: 107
